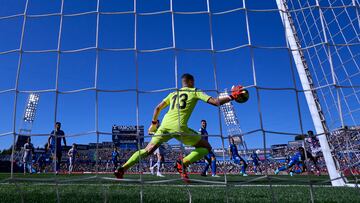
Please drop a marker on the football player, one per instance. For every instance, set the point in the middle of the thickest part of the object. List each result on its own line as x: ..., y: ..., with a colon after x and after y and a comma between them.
x: 181, y: 104
x: 210, y: 158
x: 234, y: 155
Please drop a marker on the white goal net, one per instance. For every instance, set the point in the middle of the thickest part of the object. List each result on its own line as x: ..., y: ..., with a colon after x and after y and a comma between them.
x: 328, y: 34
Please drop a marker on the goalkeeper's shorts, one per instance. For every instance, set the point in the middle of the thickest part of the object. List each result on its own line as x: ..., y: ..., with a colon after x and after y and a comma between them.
x: 185, y: 135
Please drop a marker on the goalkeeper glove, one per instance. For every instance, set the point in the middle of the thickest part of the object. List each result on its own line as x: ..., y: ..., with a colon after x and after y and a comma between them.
x: 236, y: 91
x: 153, y: 127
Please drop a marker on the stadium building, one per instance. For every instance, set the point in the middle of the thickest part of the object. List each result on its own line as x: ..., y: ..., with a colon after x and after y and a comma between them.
x: 128, y: 137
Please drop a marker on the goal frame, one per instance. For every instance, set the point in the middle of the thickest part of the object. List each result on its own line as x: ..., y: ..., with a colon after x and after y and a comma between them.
x: 309, y: 92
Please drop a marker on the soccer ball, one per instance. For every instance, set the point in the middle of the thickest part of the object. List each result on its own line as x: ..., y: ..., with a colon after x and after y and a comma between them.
x: 257, y: 151
x: 243, y: 97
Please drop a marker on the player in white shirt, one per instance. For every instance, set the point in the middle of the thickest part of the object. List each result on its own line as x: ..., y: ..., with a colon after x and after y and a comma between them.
x: 71, y: 154
x: 159, y: 153
x: 27, y: 157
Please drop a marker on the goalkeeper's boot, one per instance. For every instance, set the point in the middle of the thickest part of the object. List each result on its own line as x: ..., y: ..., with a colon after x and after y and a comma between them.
x: 244, y: 174
x: 182, y: 170
x: 291, y: 173
x: 119, y: 173
x: 277, y: 171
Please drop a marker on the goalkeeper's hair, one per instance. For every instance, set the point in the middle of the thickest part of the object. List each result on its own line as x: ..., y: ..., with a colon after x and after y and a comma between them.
x: 187, y: 76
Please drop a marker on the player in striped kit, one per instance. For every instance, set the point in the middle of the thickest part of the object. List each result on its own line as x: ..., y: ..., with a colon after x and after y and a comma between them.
x: 159, y: 153
x: 71, y: 154
x: 27, y: 157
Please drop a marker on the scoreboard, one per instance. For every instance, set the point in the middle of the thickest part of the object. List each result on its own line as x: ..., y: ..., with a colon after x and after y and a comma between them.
x: 127, y: 135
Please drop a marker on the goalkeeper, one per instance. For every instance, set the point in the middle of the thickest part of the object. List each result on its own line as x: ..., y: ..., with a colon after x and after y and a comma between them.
x: 174, y: 125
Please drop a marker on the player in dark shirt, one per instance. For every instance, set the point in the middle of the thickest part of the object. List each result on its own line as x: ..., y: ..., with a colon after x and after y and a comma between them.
x: 54, y: 144
x: 296, y: 160
x: 115, y: 157
x: 256, y: 161
x: 234, y: 155
x: 210, y: 158
x: 41, y: 163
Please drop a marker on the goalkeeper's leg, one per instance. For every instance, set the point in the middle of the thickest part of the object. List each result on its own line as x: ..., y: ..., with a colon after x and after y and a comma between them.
x: 197, y: 154
x: 140, y: 154
x: 202, y: 147
x: 155, y: 142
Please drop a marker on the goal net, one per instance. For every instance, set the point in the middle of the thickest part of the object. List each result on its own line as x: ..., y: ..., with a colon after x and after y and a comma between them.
x: 327, y: 34
x: 101, y: 66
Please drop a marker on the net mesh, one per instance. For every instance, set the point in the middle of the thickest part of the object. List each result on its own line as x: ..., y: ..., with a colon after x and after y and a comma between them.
x: 329, y: 37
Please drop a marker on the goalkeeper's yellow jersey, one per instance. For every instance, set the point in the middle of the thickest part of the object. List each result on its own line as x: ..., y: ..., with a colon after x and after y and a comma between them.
x: 181, y: 105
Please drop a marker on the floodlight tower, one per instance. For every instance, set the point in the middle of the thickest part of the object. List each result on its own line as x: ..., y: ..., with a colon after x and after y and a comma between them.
x: 232, y: 123
x: 28, y: 119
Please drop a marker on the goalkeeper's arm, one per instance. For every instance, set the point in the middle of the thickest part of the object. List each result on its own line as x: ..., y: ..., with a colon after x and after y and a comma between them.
x: 158, y: 109
x: 155, y: 117
x: 219, y: 101
x: 236, y: 91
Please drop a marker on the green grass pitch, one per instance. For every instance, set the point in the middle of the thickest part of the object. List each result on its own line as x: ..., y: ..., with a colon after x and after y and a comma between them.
x: 91, y: 188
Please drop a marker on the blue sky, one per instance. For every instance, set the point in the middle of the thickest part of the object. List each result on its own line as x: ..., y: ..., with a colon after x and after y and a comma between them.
x: 156, y: 70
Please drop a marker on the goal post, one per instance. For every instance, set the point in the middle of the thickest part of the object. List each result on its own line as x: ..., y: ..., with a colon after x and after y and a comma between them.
x: 309, y: 92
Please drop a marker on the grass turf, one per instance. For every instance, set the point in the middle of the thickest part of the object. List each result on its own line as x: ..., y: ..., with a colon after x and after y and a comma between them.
x: 41, y: 188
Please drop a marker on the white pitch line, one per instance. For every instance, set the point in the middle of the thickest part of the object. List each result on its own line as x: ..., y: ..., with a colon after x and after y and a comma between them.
x: 169, y: 185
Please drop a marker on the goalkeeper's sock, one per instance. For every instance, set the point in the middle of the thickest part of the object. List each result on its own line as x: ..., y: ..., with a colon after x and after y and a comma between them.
x: 197, y: 154
x: 135, y: 158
